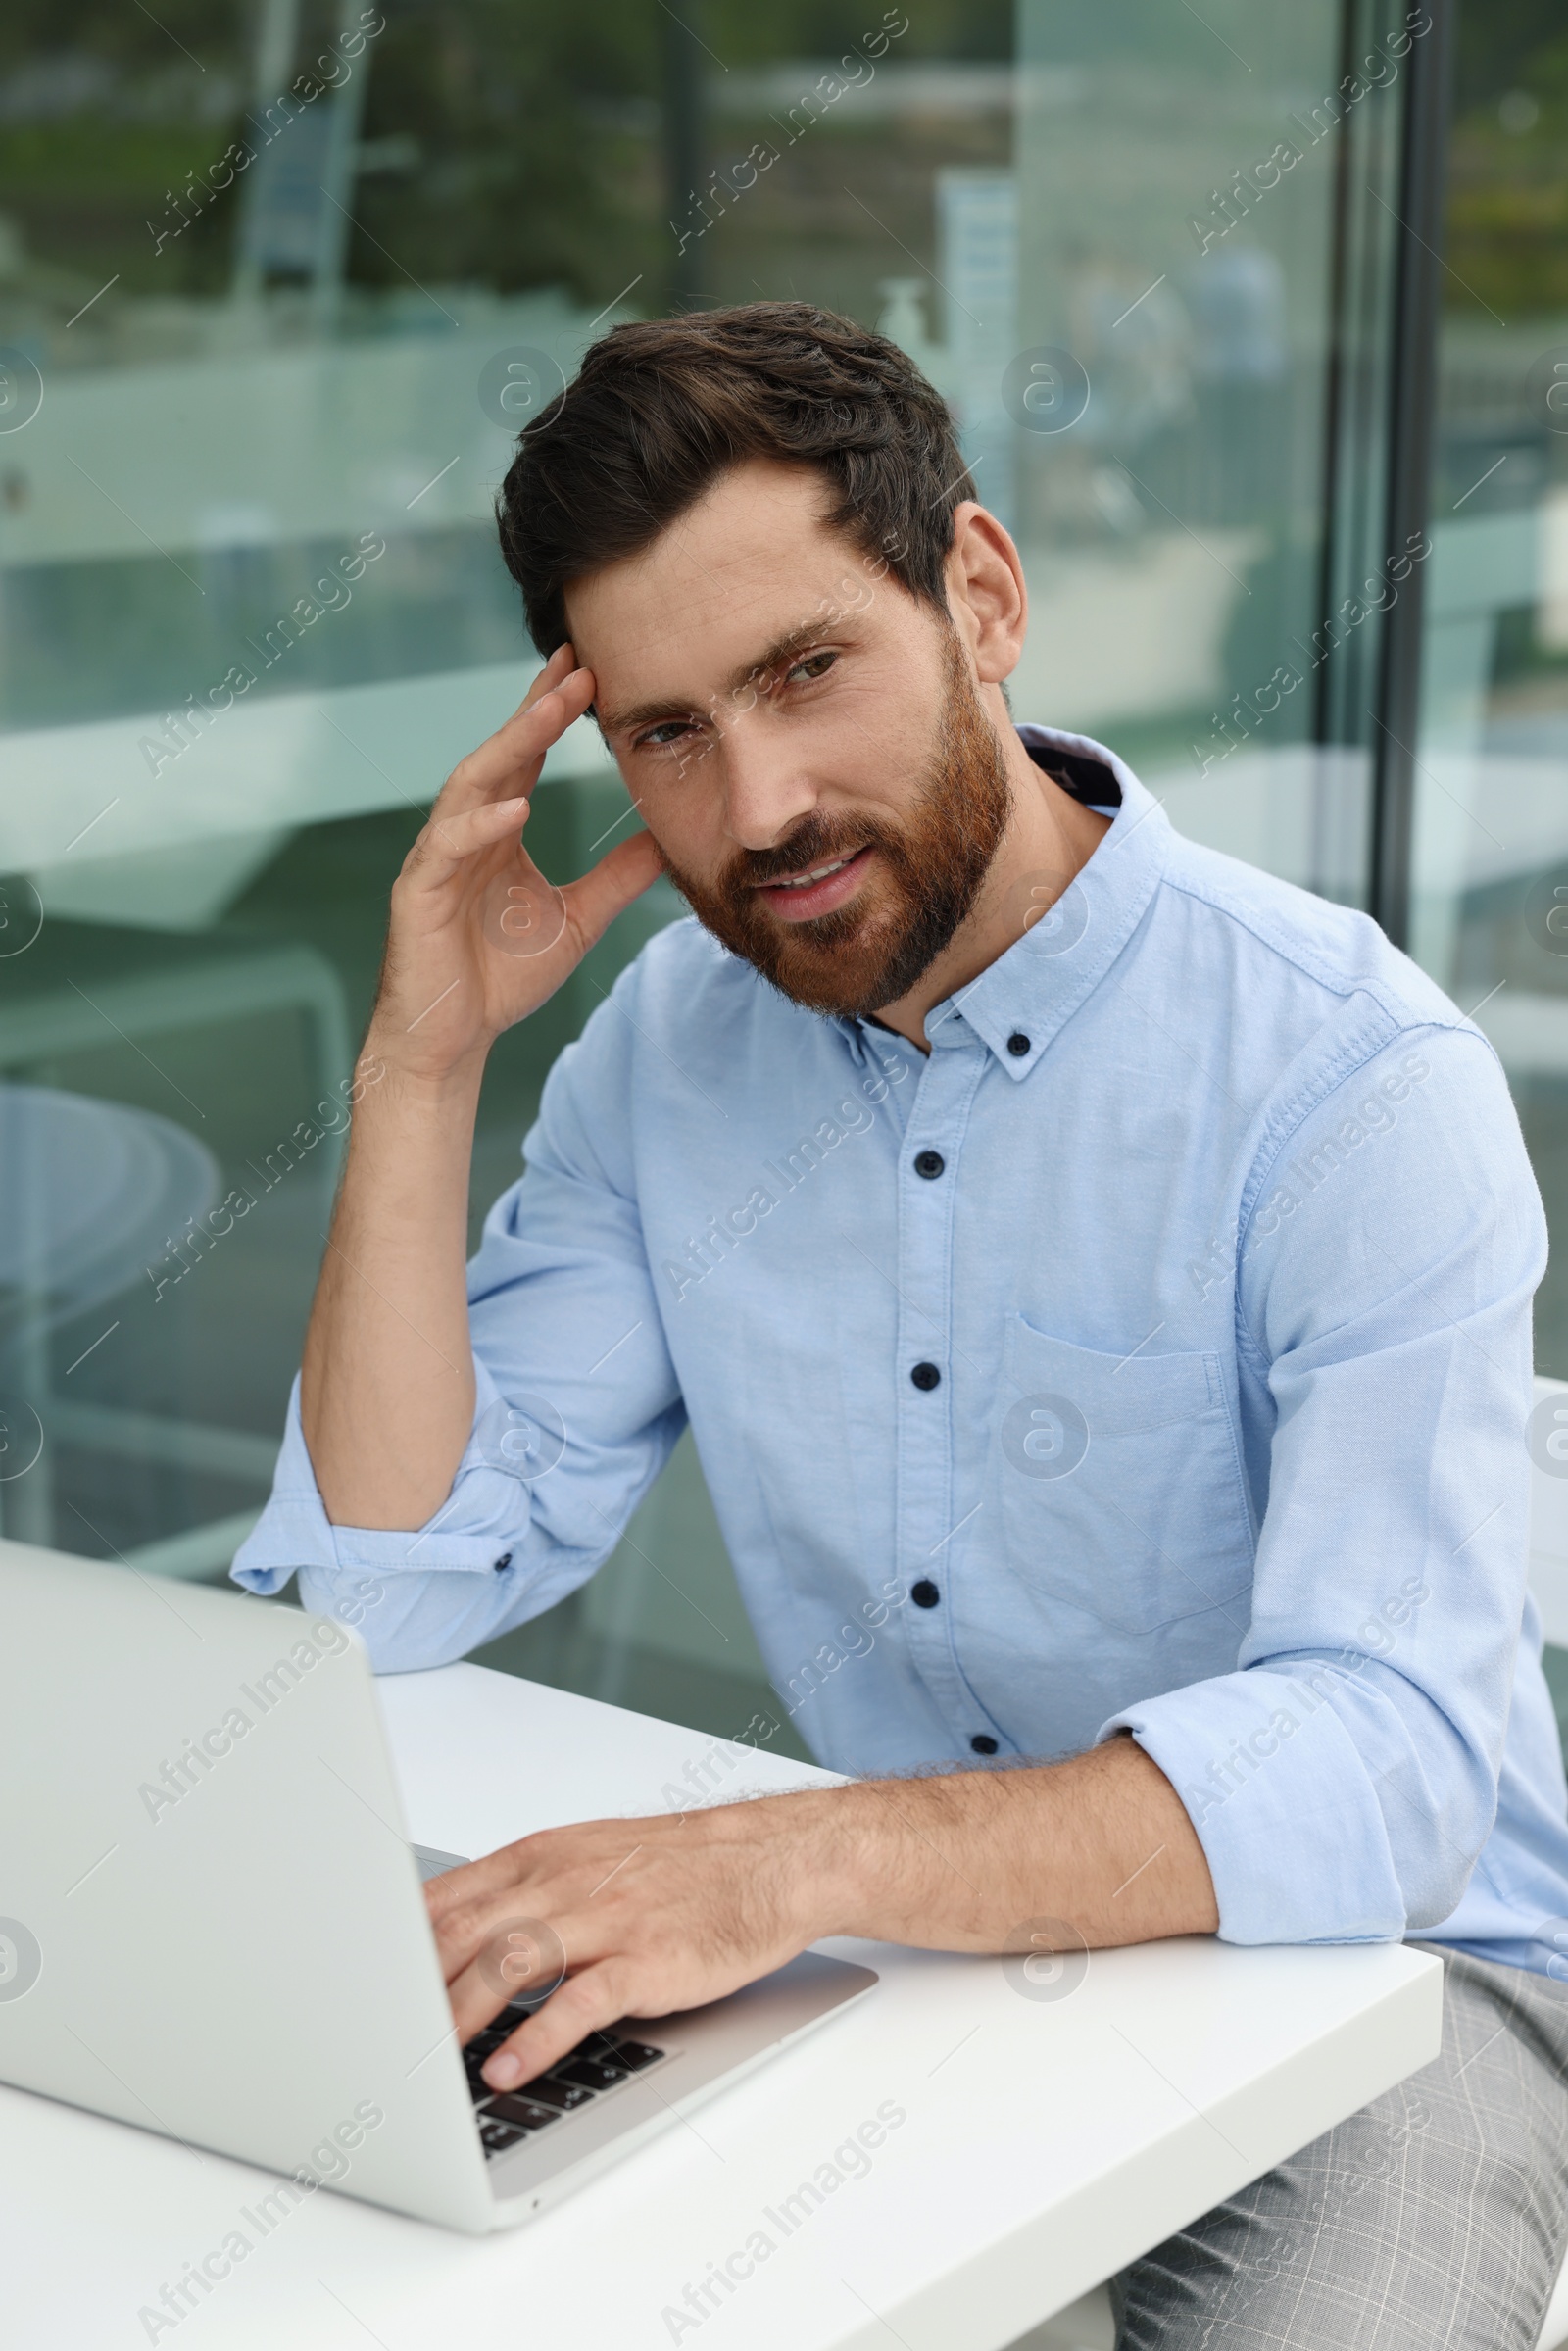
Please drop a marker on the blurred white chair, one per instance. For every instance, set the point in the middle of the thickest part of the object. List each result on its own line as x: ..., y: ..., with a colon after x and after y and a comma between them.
x: 90, y: 1192
x: 140, y: 986
x: 1087, y: 2325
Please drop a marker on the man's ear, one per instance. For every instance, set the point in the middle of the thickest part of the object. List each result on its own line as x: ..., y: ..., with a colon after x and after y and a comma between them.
x: 986, y: 592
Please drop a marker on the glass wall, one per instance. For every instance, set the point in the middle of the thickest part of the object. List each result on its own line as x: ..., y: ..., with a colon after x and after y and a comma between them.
x: 279, y: 283
x: 1489, y: 894
x: 1489, y: 884
x: 1176, y: 272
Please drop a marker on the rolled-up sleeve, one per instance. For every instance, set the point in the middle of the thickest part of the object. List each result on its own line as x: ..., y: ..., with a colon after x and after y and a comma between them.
x: 1344, y: 1779
x: 576, y: 1407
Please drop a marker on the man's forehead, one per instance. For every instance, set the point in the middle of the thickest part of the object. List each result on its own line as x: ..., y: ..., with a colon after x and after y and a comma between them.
x: 754, y: 523
x: 695, y: 610
x: 669, y: 673
x: 734, y: 583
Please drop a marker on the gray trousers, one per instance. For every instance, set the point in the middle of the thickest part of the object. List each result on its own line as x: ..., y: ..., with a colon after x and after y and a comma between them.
x: 1435, y: 2220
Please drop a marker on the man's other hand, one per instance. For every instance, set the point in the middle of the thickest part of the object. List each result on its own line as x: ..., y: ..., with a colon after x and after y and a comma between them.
x: 642, y: 1917
x: 646, y: 1916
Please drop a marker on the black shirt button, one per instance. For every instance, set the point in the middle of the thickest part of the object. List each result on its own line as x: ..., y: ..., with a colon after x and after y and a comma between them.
x: 504, y: 1563
x: 1018, y: 1043
x: 926, y: 1375
x: 929, y: 1165
x: 983, y: 1743
x: 924, y: 1594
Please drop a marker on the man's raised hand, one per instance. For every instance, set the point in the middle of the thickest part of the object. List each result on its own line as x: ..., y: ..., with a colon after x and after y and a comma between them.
x: 478, y: 938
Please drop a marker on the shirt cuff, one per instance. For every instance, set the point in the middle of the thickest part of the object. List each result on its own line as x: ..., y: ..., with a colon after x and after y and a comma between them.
x: 1282, y: 1802
x: 486, y: 1516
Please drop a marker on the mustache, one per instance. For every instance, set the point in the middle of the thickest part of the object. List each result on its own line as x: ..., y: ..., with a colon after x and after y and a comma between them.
x: 816, y: 840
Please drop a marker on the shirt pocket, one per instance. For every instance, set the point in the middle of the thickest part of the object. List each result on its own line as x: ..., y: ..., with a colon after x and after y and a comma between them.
x: 1114, y: 1484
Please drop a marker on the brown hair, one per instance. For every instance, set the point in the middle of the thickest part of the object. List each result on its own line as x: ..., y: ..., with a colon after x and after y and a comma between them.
x: 662, y: 406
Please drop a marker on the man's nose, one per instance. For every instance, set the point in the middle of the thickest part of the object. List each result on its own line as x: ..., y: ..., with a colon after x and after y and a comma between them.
x: 768, y: 788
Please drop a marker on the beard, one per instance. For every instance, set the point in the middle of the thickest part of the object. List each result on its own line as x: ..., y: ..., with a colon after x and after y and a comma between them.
x: 871, y: 952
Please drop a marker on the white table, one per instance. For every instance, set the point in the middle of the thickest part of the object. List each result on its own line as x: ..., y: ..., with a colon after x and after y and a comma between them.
x: 1046, y: 2142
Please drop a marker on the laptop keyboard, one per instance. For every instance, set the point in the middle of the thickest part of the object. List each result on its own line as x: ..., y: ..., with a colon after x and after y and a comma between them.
x: 507, y: 2117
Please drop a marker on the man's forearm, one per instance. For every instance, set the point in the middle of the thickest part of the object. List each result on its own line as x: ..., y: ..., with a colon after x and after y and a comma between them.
x: 665, y: 1913
x: 961, y: 1862
x: 388, y: 1387
x: 386, y: 1392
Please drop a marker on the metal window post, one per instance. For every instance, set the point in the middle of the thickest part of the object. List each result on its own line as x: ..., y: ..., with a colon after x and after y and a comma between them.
x: 1412, y: 403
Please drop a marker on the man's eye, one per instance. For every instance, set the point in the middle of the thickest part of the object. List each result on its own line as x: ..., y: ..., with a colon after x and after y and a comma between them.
x: 659, y: 737
x: 814, y: 665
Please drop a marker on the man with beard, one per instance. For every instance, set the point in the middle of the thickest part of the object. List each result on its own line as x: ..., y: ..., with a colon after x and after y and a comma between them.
x: 1096, y: 1276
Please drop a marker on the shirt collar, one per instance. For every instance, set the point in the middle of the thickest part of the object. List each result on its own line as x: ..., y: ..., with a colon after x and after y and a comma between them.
x: 1062, y: 952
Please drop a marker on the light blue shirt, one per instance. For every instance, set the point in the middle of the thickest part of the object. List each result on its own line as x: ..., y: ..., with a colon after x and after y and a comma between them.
x: 1154, y: 1355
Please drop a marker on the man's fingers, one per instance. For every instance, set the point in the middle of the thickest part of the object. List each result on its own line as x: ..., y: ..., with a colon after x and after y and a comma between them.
x: 624, y: 873
x: 471, y: 1887
x: 495, y: 1943
x: 519, y: 1948
x: 562, y: 663
x: 527, y: 734
x: 464, y: 1888
x: 512, y: 755
x: 499, y: 1944
x: 585, y: 2003
x: 450, y: 840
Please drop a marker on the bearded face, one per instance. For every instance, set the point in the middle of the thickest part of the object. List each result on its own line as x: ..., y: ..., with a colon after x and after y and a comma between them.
x: 921, y: 876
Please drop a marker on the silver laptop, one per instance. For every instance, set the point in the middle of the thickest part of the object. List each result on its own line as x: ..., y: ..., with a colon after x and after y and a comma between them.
x: 212, y: 1923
